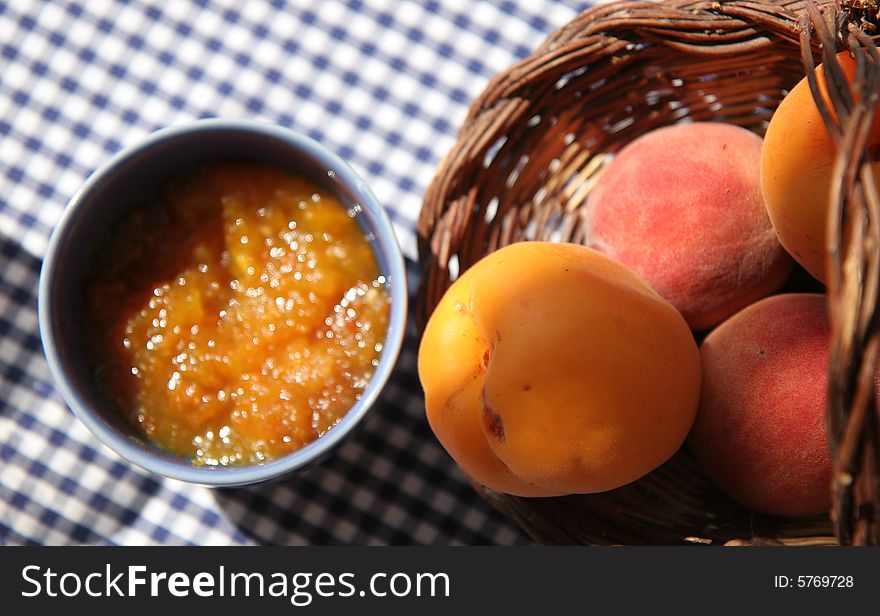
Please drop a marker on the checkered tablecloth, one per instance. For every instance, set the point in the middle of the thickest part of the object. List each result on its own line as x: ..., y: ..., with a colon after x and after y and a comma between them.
x: 385, y: 85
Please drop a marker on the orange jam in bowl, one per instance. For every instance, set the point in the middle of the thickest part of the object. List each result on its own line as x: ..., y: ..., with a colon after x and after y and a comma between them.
x: 238, y: 316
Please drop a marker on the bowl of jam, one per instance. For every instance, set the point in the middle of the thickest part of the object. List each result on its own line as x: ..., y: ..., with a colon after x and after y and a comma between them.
x: 223, y: 302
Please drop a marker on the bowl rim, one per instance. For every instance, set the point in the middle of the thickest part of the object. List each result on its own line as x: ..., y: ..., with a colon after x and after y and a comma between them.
x: 386, y: 245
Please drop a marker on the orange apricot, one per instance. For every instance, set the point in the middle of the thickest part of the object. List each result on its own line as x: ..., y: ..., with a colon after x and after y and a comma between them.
x: 551, y: 369
x: 796, y: 167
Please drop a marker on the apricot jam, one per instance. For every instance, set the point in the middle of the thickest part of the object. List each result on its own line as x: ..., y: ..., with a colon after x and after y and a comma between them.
x: 239, y: 316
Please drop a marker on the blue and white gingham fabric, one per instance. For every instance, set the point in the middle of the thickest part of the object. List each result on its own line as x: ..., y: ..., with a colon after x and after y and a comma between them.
x: 383, y: 83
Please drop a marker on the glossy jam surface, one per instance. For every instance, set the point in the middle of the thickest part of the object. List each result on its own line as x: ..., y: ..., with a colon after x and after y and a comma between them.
x: 239, y: 316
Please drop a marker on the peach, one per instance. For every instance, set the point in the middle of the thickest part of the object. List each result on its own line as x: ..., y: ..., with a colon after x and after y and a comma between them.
x: 760, y: 430
x: 551, y: 369
x: 682, y: 207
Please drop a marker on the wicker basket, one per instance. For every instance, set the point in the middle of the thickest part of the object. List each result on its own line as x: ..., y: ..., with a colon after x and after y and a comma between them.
x: 525, y: 159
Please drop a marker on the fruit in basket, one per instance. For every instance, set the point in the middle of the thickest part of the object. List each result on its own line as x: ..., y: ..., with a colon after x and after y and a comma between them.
x: 796, y: 170
x: 551, y: 369
x: 682, y: 207
x: 760, y: 431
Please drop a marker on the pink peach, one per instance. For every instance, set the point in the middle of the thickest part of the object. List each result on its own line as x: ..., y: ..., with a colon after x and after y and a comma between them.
x: 682, y: 207
x: 760, y: 429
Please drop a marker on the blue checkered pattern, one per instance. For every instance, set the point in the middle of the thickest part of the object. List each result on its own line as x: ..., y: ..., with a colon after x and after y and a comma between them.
x: 382, y: 83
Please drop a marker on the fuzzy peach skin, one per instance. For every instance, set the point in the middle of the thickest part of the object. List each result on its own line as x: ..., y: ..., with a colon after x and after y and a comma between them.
x: 682, y: 207
x: 760, y: 431
x: 551, y: 369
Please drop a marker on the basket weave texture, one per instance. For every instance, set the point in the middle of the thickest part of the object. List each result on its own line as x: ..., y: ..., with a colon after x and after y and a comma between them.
x: 522, y: 168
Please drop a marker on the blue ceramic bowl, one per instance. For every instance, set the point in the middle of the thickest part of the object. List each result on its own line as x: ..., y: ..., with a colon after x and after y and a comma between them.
x: 140, y: 169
